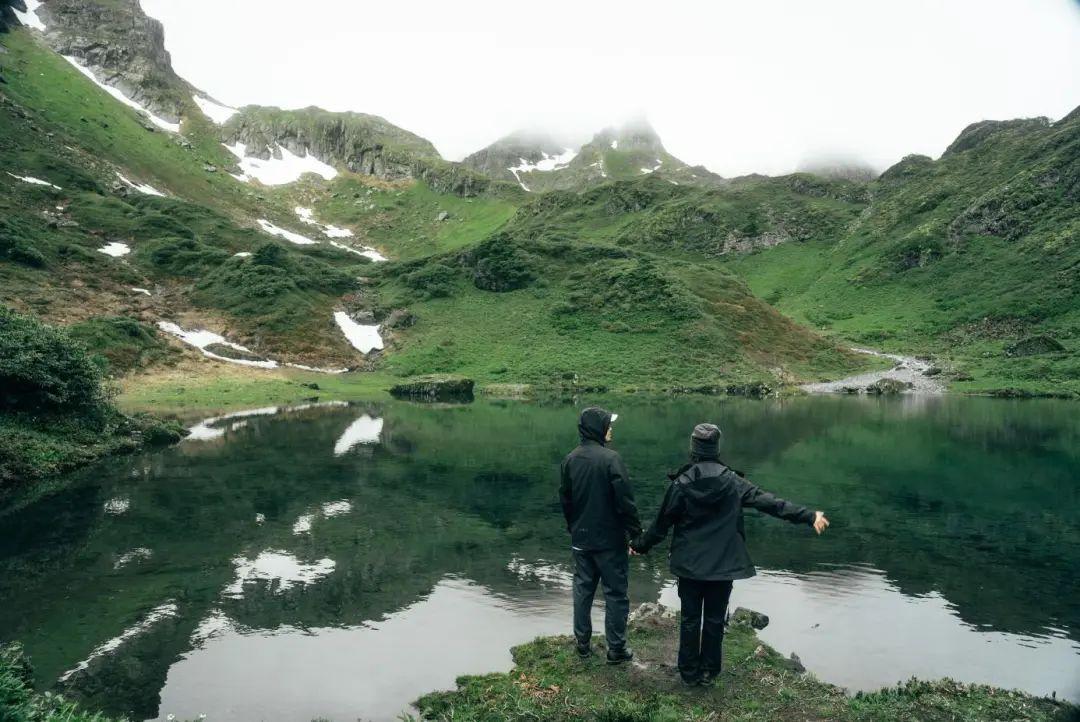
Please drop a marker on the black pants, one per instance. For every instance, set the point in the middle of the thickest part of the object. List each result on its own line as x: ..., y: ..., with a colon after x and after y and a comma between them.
x: 701, y: 635
x: 610, y: 566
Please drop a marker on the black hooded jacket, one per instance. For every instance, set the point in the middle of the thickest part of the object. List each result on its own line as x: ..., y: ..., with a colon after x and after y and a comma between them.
x: 595, y: 492
x: 704, y: 503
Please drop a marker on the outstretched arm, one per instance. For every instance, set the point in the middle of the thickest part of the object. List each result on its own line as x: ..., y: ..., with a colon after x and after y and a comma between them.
x: 756, y: 498
x: 665, y: 518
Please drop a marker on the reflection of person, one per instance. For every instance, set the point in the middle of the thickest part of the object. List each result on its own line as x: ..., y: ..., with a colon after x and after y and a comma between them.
x: 708, y: 549
x: 601, y: 517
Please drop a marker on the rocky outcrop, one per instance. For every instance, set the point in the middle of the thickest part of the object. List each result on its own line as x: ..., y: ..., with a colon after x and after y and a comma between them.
x: 123, y: 46
x: 361, y: 143
x: 496, y: 160
x: 1034, y: 346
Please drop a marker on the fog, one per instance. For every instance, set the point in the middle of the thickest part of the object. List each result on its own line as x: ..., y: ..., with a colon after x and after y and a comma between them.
x: 754, y: 86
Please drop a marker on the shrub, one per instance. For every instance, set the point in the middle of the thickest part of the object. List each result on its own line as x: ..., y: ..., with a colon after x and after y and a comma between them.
x: 122, y: 343
x: 43, y: 370
x: 434, y: 280
x: 501, y: 265
x: 16, y: 245
x: 181, y: 256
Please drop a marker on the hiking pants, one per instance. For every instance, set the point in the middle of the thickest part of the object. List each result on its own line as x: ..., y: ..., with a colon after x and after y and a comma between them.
x: 610, y: 566
x: 701, y: 631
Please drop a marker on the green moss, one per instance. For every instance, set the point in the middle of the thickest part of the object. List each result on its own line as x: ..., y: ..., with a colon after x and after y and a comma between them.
x: 549, y: 682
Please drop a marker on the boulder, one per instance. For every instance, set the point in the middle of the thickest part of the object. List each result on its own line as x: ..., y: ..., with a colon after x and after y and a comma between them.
x: 1033, y: 346
x: 443, y: 215
x: 400, y: 318
x: 888, y: 387
x: 651, y: 612
x: 435, y: 389
x: 748, y: 617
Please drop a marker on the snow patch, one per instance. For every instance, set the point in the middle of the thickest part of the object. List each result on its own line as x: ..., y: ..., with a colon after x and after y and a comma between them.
x: 117, y: 505
x: 216, y: 112
x: 615, y: 145
x: 364, y: 338
x: 135, y: 555
x: 654, y: 168
x: 547, y: 162
x: 143, y: 188
x: 30, y: 18
x: 34, y: 181
x: 276, y: 566
x: 303, y: 524
x: 286, y: 234
x: 366, y: 252
x: 202, y: 339
x: 169, y: 609
x: 307, y: 215
x: 114, y: 92
x: 115, y: 249
x: 278, y: 171
x: 242, y: 254
x: 336, y: 508
x: 143, y: 291
x: 365, y: 430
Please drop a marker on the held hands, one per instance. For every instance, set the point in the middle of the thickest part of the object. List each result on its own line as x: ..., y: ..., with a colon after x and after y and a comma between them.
x: 820, y: 522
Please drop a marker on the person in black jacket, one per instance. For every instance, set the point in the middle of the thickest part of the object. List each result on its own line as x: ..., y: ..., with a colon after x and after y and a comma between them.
x: 704, y: 503
x: 601, y: 517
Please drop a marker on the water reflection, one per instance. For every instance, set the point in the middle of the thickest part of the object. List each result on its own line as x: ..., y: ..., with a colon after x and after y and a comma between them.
x: 342, y: 535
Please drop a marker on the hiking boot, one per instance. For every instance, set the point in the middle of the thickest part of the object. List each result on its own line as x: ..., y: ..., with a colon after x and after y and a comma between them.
x: 708, y: 678
x: 690, y: 681
x: 618, y: 656
x: 583, y: 651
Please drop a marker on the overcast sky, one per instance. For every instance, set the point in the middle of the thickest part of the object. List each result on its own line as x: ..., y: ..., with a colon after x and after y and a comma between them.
x: 755, y: 85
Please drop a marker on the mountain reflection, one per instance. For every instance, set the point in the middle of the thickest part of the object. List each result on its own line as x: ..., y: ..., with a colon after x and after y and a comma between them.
x: 339, y: 535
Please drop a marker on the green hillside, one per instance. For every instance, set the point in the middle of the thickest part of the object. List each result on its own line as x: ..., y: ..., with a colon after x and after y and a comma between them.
x: 966, y: 258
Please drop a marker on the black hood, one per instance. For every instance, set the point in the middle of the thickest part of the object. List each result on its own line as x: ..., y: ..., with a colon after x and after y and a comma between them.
x: 593, y: 424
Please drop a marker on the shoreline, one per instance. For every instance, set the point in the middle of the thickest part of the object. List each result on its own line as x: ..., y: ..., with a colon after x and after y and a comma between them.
x: 549, y: 682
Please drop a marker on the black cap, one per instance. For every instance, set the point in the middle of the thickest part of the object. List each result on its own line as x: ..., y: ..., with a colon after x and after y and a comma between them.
x: 705, y: 441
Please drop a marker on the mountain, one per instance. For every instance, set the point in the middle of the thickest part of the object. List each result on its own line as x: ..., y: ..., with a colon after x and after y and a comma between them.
x: 540, y: 163
x: 530, y: 261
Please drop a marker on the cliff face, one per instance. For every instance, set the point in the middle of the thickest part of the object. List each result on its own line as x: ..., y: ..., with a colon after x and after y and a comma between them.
x: 362, y: 143
x: 123, y: 46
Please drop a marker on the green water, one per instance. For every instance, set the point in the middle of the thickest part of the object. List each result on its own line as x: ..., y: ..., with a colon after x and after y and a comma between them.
x: 338, y: 561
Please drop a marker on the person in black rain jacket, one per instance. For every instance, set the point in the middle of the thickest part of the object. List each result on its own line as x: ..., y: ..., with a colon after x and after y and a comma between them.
x: 601, y: 517
x: 704, y: 504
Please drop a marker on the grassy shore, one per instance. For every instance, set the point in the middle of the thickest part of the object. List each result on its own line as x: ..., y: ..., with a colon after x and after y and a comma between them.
x: 549, y: 682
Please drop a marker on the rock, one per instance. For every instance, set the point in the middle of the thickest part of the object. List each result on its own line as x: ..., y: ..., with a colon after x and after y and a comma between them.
x: 651, y: 613
x: 435, y: 389
x: 748, y: 617
x: 221, y: 349
x: 755, y: 389
x: 759, y: 652
x: 850, y: 390
x: 443, y: 215
x: 210, y: 168
x: 888, y: 387
x: 313, y: 386
x: 400, y: 318
x: 1033, y: 346
x: 796, y: 664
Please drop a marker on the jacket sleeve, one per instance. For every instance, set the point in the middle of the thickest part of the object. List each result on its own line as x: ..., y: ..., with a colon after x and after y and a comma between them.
x: 625, y: 505
x: 665, y: 518
x: 756, y: 498
x: 566, y: 494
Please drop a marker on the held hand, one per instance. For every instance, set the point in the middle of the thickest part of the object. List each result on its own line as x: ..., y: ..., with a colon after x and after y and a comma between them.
x: 633, y: 553
x: 820, y: 522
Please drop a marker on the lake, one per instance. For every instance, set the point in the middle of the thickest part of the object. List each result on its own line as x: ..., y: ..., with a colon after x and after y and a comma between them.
x: 338, y: 561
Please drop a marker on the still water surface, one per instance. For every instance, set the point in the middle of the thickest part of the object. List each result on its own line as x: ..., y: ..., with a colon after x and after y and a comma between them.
x: 338, y: 561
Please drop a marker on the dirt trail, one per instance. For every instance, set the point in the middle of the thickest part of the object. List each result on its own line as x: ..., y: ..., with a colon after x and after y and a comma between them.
x: 906, y: 369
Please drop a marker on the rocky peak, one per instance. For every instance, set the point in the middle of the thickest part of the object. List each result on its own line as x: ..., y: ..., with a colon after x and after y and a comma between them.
x: 519, y: 149
x: 122, y: 46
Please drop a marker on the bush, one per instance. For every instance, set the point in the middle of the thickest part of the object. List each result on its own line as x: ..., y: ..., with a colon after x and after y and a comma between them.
x: 435, y: 280
x: 16, y: 245
x: 122, y: 343
x: 181, y: 256
x: 501, y: 265
x: 42, y: 369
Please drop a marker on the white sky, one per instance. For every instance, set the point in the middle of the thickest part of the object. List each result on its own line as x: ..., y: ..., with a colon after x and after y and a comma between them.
x: 750, y: 86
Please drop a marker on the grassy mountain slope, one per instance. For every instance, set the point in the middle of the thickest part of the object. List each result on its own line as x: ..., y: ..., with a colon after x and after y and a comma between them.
x: 963, y: 258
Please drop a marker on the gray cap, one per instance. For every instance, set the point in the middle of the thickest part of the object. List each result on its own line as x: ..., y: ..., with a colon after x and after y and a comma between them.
x: 705, y: 441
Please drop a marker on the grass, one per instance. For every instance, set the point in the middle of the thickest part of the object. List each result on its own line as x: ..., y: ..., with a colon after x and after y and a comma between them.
x: 549, y: 682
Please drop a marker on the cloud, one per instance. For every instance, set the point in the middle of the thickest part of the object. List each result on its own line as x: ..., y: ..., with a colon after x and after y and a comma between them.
x: 739, y: 87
